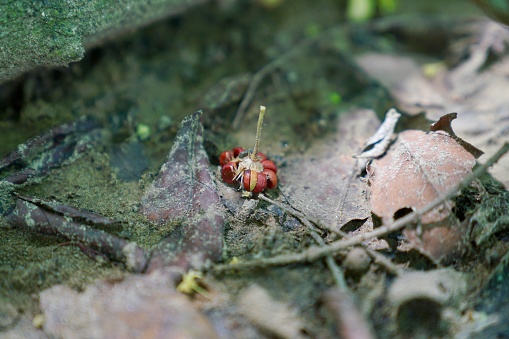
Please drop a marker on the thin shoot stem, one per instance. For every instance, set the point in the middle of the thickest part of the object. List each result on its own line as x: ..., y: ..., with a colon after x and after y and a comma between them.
x: 254, y: 155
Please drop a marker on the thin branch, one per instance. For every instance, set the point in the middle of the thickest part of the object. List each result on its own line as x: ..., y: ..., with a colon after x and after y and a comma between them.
x: 379, y: 258
x: 337, y: 273
x: 385, y: 262
x: 300, y: 215
x: 317, y: 252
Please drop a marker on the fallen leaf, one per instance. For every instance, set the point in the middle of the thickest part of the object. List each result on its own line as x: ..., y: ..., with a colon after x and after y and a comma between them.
x: 444, y: 124
x: 72, y: 212
x: 61, y: 144
x: 346, y: 316
x: 184, y: 193
x: 141, y: 306
x: 322, y: 182
x: 417, y: 169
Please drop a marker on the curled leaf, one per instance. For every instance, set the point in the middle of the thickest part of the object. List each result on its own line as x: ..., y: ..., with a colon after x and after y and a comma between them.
x: 65, y: 222
x: 379, y: 142
x: 444, y: 124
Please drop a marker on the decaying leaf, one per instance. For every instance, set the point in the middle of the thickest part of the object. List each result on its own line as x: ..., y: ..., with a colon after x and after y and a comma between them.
x: 71, y: 212
x: 418, y: 169
x: 184, y: 193
x: 141, y: 306
x: 321, y: 182
x: 444, y: 124
x: 51, y: 149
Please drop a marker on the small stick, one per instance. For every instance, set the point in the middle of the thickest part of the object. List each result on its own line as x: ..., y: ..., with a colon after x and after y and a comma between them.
x: 379, y: 258
x: 300, y: 215
x: 254, y: 156
x: 29, y: 216
x: 385, y: 262
x: 337, y: 273
x: 317, y: 252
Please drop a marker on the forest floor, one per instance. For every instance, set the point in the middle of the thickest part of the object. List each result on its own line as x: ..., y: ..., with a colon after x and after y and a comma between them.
x: 322, y: 254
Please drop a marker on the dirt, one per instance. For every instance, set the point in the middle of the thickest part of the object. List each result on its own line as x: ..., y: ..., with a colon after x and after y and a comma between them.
x: 326, y: 94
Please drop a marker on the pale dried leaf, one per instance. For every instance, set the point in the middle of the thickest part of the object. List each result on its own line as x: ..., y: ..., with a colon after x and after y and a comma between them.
x: 142, y: 306
x: 321, y: 182
x: 271, y: 315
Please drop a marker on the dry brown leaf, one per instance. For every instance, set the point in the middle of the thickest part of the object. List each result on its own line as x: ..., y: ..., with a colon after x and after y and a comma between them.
x: 142, y: 306
x: 418, y: 169
x: 184, y: 192
x: 484, y: 110
x: 320, y: 183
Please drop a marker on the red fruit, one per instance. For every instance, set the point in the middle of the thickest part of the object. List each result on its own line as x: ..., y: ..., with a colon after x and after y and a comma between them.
x: 237, y: 150
x: 271, y: 178
x: 246, y: 180
x: 225, y: 157
x: 261, y: 185
x: 270, y: 165
x: 228, y: 156
x: 254, y: 181
x: 228, y: 172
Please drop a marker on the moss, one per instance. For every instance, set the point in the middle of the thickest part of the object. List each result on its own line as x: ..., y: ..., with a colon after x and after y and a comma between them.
x: 55, y: 33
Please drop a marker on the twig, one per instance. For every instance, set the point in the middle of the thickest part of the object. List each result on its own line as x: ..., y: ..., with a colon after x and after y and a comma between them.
x: 300, y: 215
x: 337, y: 273
x: 383, y: 261
x: 254, y: 155
x: 317, y: 252
x: 379, y: 259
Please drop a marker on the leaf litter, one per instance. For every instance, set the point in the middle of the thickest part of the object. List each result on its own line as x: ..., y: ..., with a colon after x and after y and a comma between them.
x: 416, y: 170
x: 319, y: 183
x: 185, y: 194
